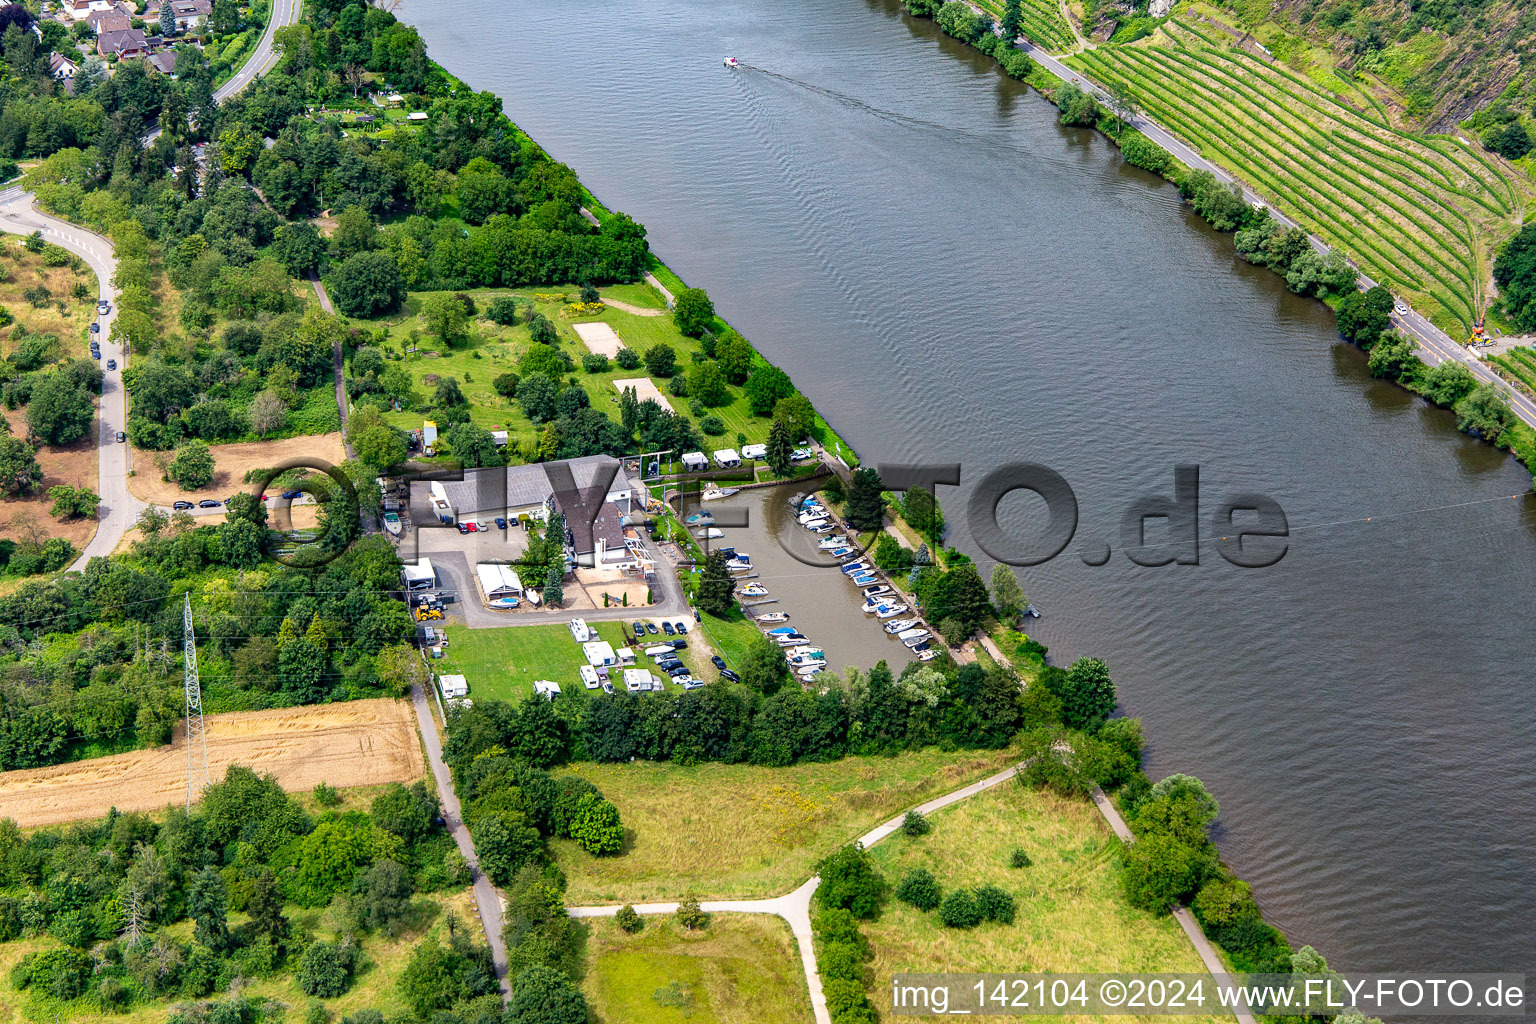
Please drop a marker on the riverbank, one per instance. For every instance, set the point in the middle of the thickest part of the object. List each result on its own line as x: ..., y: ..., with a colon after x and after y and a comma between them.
x: 1476, y: 393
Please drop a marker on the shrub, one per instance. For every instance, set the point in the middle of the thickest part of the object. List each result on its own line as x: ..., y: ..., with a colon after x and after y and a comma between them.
x: 1019, y: 859
x: 714, y: 426
x: 915, y: 824
x: 919, y: 888
x: 995, y: 904
x: 661, y: 360
x: 849, y: 880
x: 690, y: 915
x: 1159, y: 870
x: 325, y: 969
x: 503, y: 310
x: 596, y: 826
x: 628, y: 920
x: 594, y: 362
x: 627, y: 358
x: 1140, y: 151
x: 326, y: 795
x: 959, y: 910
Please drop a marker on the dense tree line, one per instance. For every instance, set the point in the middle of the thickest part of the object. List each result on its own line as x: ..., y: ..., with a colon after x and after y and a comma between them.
x: 103, y: 897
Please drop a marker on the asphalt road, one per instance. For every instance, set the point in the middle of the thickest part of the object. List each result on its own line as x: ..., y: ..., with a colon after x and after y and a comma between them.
x: 1434, y: 344
x: 119, y: 508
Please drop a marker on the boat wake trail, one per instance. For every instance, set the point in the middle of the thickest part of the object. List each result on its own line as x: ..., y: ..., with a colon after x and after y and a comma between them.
x: 891, y: 116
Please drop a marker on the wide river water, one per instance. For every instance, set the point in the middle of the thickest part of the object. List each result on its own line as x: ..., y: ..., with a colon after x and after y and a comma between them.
x: 952, y: 276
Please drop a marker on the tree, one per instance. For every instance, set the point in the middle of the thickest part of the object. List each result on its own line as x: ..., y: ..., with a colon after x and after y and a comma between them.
x: 915, y: 824
x: 367, y: 284
x: 265, y: 906
x: 690, y: 915
x: 596, y: 826
x: 628, y: 920
x: 1078, y: 108
x: 473, y: 445
x: 1158, y: 870
x: 716, y: 588
x: 60, y: 410
x: 734, y: 354
x: 765, y: 386
x: 1486, y: 413
x: 995, y: 904
x: 763, y: 667
x: 325, y: 969
x: 543, y: 995
x: 505, y: 385
x: 798, y: 415
x: 1087, y: 694
x: 865, y: 508
x: 384, y: 893
x: 921, y: 511
x: 1013, y: 20
x: 192, y: 468
x: 505, y: 842
x: 1514, y: 271
x: 267, y: 413
x: 355, y: 232
x: 1178, y: 806
x: 167, y: 21
x: 849, y: 880
x: 660, y: 360
x: 959, y: 910
x: 208, y: 905
x: 1122, y: 102
x: 693, y: 312
x: 445, y: 318
x: 554, y: 585
x: 1007, y: 596
x: 781, y: 448
x: 20, y: 472
x: 299, y: 247
x: 502, y: 310
x: 1365, y: 316
x: 73, y: 502
x: 707, y: 384
x: 919, y: 888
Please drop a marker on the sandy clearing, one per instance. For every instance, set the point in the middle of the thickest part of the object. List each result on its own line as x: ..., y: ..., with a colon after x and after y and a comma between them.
x: 230, y: 464
x: 356, y: 743
x: 26, y: 519
x: 599, y: 338
x: 644, y: 388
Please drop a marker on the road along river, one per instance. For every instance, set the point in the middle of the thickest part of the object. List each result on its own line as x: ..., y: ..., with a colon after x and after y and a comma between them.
x: 952, y: 276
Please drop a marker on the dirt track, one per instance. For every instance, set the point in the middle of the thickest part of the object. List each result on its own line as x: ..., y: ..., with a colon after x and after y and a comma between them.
x: 357, y: 743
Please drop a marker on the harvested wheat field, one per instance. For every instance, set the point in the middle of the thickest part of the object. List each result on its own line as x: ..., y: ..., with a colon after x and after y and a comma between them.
x: 230, y: 464
x: 356, y: 743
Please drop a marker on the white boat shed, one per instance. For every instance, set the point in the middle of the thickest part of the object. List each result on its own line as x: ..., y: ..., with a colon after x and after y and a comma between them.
x: 498, y: 580
x: 419, y: 575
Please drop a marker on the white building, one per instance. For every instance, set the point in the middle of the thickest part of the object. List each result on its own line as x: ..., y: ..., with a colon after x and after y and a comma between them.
x: 726, y: 458
x: 453, y: 686
x: 695, y: 462
x: 545, y: 688
x: 637, y: 680
x: 419, y: 575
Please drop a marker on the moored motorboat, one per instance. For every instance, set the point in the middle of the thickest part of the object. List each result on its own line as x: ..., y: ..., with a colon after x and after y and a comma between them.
x: 774, y: 617
x: 820, y: 526
x: 792, y: 640
x: 716, y: 493
x: 753, y: 590
x: 710, y: 533
x: 899, y: 625
x: 700, y: 519
x: 782, y: 630
x: 392, y: 523
x: 852, y: 568
x: 875, y: 591
x: 837, y: 540
x: 895, y: 609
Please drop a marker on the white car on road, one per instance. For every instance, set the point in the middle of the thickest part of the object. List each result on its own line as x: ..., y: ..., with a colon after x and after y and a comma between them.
x: 1401, y: 309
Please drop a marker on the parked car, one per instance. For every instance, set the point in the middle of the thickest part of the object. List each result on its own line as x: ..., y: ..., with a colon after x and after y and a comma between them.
x: 678, y: 645
x: 210, y: 503
x: 726, y: 673
x: 111, y: 364
x: 290, y: 495
x: 472, y: 527
x: 501, y: 523
x: 639, y: 628
x: 181, y: 506
x: 650, y: 627
x: 121, y: 437
x: 95, y: 327
x: 682, y: 628
x: 719, y: 661
x: 463, y: 528
x: 668, y: 664
x: 680, y: 670
x: 666, y: 627
x: 103, y: 307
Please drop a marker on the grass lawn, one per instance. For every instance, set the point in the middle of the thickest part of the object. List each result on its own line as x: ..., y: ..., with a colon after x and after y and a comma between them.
x: 22, y: 272
x: 1071, y: 914
x: 742, y: 969
x: 491, y: 350
x: 730, y: 636
x: 744, y: 831
x: 502, y: 664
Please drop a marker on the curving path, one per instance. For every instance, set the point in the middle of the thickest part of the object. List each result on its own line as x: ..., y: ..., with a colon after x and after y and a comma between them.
x: 18, y: 215
x: 1435, y: 345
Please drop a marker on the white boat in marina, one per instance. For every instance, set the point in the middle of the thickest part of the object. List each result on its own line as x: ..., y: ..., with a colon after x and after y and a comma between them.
x: 807, y: 649
x: 895, y: 609
x: 837, y: 540
x: 821, y: 526
x: 864, y: 579
x: 928, y: 655
x: 841, y: 552
x: 774, y: 617
x: 735, y: 565
x: 716, y: 493
x: 753, y: 590
x: 855, y: 568
x: 899, y: 625
x: 782, y: 630
x: 809, y: 673
x: 793, y: 640
x: 875, y: 591
x: 710, y: 534
x: 914, y: 641
x: 874, y: 604
x: 701, y: 519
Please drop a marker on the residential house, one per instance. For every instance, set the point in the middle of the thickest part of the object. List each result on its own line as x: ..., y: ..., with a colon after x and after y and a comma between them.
x: 79, y: 10
x: 113, y: 20
x: 190, y: 14
x: 164, y: 62
x: 61, y: 66
x: 126, y: 45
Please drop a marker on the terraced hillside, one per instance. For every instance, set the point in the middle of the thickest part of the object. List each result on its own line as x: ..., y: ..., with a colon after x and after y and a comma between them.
x: 1518, y: 366
x: 1042, y: 22
x: 1421, y: 214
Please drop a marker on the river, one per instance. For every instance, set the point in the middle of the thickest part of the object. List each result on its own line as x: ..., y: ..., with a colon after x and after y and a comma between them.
x: 951, y: 276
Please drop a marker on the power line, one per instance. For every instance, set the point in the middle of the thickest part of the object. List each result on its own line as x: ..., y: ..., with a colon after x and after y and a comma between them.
x: 197, y: 739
